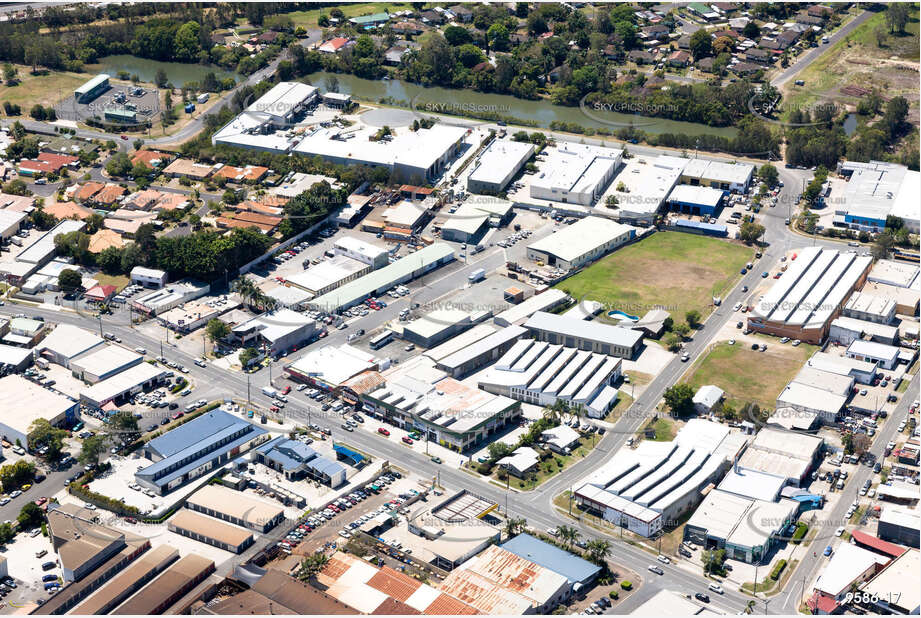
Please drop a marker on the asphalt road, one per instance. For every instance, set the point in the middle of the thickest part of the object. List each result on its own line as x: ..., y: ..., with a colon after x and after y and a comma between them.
x: 809, y: 57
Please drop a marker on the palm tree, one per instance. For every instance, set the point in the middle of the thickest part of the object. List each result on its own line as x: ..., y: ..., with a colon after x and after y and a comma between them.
x: 312, y: 565
x: 568, y: 535
x: 515, y: 525
x: 599, y: 550
x: 245, y: 287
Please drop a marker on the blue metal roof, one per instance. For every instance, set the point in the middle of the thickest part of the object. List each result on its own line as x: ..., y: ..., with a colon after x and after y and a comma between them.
x: 572, y: 567
x: 194, y: 432
x: 292, y: 454
x: 348, y: 453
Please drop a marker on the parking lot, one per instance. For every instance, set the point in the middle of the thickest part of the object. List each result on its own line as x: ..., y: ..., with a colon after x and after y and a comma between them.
x: 30, y: 552
x: 145, y: 101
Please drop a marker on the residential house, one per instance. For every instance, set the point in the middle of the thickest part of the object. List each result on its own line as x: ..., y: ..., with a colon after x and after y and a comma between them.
x: 656, y: 32
x: 189, y: 169
x: 408, y: 27
x: 684, y: 42
x: 267, y: 38
x: 46, y: 163
x: 109, y: 194
x: 787, y: 38
x: 761, y: 56
x: 152, y: 158
x: 143, y: 200
x: 87, y: 191
x: 804, y: 17
x: 67, y: 210
x: 394, y: 55
x: 105, y: 239
x: 679, y: 58
x: 820, y: 11
x: 333, y: 46
x: 370, y: 21
x: 706, y: 64
x: 640, y: 56
x: 462, y: 13
x: 746, y: 68
x: 171, y: 201
x: 249, y: 173
x: 433, y: 17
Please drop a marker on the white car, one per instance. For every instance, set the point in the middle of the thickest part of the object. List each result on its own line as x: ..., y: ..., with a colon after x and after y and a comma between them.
x: 663, y: 559
x: 839, y: 531
x: 737, y: 307
x: 715, y: 588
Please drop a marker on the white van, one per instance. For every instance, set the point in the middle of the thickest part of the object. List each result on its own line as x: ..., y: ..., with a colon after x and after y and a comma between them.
x: 715, y: 588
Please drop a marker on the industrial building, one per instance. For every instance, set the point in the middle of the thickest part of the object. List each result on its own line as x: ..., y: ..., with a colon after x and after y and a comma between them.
x: 416, y: 156
x: 548, y: 300
x: 581, y: 243
x: 478, y: 352
x: 149, y: 277
x: 579, y: 572
x: 870, y: 307
x: 359, y: 587
x: 66, y: 343
x: 277, y: 331
x: 646, y: 489
x: 844, y: 330
x: 863, y: 372
x: 785, y: 454
x: 416, y: 395
x: 104, y: 363
x: 22, y: 402
x: 128, y: 581
x: 211, y: 531
x: 121, y: 386
x: 193, y: 315
x: 642, y: 187
x: 810, y: 399
x: 452, y: 531
x: 718, y: 174
x: 575, y: 173
x: 541, y: 373
x: 696, y: 200
x: 899, y: 575
x: 238, y: 508
x: 891, y: 272
x: 330, y: 367
x: 439, y: 325
x: 591, y: 336
x: 196, y: 448
x: 810, y: 294
x: 900, y: 525
x: 92, y: 89
x: 497, y: 581
x: 475, y: 215
x: 746, y: 528
x: 886, y: 356
x: 14, y: 359
x: 168, y: 297
x: 168, y: 588
x: 296, y: 461
x: 38, y: 253
x: 874, y: 191
x: 379, y: 281
x: 365, y: 252
x: 329, y: 274
x: 497, y: 165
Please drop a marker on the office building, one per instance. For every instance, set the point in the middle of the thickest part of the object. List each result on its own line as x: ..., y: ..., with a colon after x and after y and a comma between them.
x: 22, y: 402
x: 874, y: 191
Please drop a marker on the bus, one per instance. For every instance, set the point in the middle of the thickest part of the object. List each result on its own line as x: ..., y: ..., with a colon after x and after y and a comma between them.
x: 908, y: 256
x: 379, y: 341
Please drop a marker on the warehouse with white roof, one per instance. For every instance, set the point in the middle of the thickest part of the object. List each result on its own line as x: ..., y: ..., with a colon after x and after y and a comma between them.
x: 696, y: 200
x: 497, y: 165
x: 66, y: 343
x: 592, y: 336
x: 718, y: 174
x: 646, y: 489
x: 541, y: 373
x: 874, y: 191
x: 547, y: 300
x: 810, y: 294
x: 581, y: 243
x: 575, y: 173
x: 886, y: 355
x: 844, y: 330
x: 22, y: 402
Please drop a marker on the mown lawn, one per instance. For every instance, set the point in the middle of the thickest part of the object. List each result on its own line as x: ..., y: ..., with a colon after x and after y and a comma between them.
x: 46, y: 89
x: 673, y: 270
x: 748, y: 375
x: 308, y: 19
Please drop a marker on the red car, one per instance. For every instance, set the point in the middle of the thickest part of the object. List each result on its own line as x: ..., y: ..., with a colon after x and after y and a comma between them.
x: 41, y: 501
x: 177, y: 415
x: 286, y: 390
x: 383, y: 431
x: 125, y: 137
x: 273, y: 409
x: 407, y: 440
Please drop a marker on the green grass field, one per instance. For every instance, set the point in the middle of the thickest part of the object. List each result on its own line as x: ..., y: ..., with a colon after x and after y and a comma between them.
x: 44, y: 89
x: 308, y: 19
x: 676, y: 271
x: 748, y: 375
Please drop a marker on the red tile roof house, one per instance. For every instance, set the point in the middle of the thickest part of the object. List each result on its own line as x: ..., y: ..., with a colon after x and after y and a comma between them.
x: 109, y: 194
x: 152, y: 158
x: 46, y: 163
x: 333, y: 45
x: 86, y: 191
x: 250, y: 173
x: 679, y: 59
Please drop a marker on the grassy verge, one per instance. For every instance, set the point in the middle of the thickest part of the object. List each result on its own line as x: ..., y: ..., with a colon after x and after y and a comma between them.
x: 308, y: 19
x: 48, y: 89
x: 624, y: 401
x: 119, y: 281
x: 547, y: 468
x: 680, y: 272
x: 663, y: 427
x: 769, y: 584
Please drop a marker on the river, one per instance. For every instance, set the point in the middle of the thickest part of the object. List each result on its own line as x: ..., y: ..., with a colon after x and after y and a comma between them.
x: 176, y: 72
x: 437, y: 99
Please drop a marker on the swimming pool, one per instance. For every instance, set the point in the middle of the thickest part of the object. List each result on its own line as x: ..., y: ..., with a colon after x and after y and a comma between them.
x: 623, y: 316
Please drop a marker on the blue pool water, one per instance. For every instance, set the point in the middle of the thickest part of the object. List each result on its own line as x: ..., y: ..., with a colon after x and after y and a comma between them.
x: 622, y: 315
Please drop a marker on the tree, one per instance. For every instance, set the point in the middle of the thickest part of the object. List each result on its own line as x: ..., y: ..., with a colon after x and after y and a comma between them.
x: 161, y: 79
x: 750, y: 231
x: 92, y: 448
x: 882, y: 246
x: 598, y: 550
x: 14, y: 476
x: 701, y: 44
x: 672, y: 342
x: 311, y: 566
x: 769, y: 174
x: 693, y: 318
x: 37, y: 112
x: 713, y: 560
x: 217, y: 330
x: 119, y: 165
x: 70, y: 280
x: 897, y: 17
x: 679, y: 399
x: 30, y: 516
x: 568, y: 535
x: 681, y: 329
x: 751, y: 30
x: 498, y: 37
x: 457, y: 36
x: 248, y: 355
x: 498, y: 450
x: 515, y: 526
